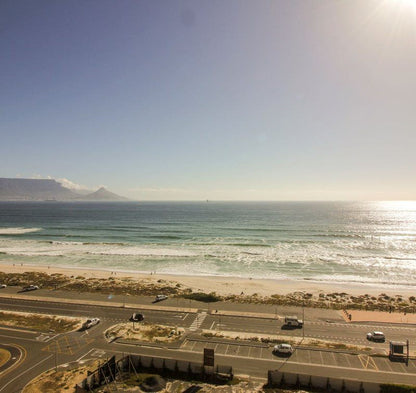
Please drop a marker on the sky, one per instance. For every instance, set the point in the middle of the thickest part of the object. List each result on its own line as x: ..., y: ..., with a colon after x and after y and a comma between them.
x: 218, y: 100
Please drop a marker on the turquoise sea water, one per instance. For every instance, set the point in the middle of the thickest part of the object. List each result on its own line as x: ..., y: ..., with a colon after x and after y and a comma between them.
x: 370, y: 242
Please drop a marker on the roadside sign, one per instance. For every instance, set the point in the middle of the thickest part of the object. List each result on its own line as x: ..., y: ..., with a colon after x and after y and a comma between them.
x: 208, y: 357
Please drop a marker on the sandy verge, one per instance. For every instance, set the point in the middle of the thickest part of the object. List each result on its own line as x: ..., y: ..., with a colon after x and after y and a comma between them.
x: 221, y: 285
x: 379, y: 316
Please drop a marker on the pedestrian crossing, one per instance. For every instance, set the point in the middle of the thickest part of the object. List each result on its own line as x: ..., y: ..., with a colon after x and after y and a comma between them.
x: 200, y: 317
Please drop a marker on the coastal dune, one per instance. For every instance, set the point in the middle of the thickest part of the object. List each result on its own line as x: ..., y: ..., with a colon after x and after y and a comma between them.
x: 221, y: 285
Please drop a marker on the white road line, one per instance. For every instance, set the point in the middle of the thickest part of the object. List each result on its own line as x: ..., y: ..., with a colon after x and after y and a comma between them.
x: 17, y: 362
x: 85, y: 355
x: 347, y: 359
x: 18, y: 376
x: 20, y: 338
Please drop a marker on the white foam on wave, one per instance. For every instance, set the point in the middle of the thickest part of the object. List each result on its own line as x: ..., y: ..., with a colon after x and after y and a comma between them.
x: 57, y: 248
x: 18, y: 231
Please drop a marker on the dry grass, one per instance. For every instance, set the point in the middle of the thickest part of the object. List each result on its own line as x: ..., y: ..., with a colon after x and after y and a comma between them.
x: 39, y: 322
x: 60, y: 381
x: 4, y: 356
x: 145, y: 332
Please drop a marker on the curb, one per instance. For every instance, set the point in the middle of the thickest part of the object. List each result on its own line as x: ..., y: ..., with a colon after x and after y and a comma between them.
x: 102, y: 304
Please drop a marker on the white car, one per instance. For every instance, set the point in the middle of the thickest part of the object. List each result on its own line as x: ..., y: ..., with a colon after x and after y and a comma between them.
x: 91, y: 322
x: 283, y: 349
x: 160, y: 298
x: 376, y: 336
x: 31, y: 288
x: 3, y: 286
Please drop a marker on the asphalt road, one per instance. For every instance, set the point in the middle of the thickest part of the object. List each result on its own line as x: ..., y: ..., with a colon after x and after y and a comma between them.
x: 16, y: 355
x: 46, y: 350
x: 315, y: 328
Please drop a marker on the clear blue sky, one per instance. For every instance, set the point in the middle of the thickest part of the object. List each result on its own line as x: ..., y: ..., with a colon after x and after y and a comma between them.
x: 212, y: 99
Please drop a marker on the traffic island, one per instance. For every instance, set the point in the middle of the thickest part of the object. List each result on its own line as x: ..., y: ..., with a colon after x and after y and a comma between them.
x: 4, y: 357
x: 144, y: 332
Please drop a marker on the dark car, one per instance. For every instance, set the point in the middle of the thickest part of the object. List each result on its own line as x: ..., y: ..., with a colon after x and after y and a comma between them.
x: 137, y: 317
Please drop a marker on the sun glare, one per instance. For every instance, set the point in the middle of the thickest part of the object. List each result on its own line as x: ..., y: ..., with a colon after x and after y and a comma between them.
x: 407, y: 3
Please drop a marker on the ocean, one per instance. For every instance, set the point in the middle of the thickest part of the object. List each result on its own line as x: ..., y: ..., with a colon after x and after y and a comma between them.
x: 351, y: 242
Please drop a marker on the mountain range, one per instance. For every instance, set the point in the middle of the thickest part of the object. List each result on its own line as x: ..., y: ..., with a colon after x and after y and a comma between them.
x: 49, y: 190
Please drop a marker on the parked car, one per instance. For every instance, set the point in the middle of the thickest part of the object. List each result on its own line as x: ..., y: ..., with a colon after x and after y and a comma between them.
x: 160, y: 298
x: 283, y: 349
x: 90, y: 323
x: 30, y: 288
x: 137, y: 317
x: 376, y: 336
x: 293, y: 322
x: 3, y: 286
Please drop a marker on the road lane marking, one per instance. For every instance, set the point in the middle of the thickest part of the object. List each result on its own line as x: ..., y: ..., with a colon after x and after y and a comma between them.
x: 347, y: 358
x: 80, y: 358
x: 361, y: 361
x: 68, y: 344
x: 19, y: 330
x: 20, y: 338
x: 374, y: 363
x: 22, y: 357
x: 275, y: 359
x: 18, y: 376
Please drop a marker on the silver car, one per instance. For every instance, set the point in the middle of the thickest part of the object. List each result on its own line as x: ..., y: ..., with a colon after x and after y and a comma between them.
x: 376, y: 336
x: 283, y: 349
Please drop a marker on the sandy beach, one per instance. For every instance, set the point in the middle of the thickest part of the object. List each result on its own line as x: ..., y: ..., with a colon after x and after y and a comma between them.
x: 221, y: 285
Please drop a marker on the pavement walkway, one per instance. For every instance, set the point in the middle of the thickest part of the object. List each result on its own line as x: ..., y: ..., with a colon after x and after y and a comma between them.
x: 379, y: 316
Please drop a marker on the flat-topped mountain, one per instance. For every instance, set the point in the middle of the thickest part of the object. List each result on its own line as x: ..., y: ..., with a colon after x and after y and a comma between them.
x: 48, y: 190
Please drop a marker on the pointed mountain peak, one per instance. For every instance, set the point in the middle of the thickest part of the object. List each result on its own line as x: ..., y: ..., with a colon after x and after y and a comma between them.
x: 102, y: 194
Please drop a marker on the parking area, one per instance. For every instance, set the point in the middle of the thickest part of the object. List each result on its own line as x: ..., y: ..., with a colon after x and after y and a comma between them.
x: 305, y: 356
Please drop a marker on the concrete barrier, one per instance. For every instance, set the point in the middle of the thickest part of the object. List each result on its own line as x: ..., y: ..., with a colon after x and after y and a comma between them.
x: 112, y: 369
x: 276, y: 378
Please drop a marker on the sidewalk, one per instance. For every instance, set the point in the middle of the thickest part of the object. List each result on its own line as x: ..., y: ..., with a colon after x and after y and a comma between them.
x: 379, y: 316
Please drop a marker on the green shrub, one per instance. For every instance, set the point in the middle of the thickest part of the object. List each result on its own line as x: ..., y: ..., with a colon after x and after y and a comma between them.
x: 391, y: 388
x: 203, y: 297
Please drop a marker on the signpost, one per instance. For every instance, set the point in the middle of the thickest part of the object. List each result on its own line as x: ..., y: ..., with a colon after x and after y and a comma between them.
x: 208, y: 357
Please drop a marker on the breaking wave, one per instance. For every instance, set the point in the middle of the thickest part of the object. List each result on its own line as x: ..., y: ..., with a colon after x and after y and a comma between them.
x: 18, y: 231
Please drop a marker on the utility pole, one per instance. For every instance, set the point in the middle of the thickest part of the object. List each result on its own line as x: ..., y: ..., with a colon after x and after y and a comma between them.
x: 303, y: 317
x: 56, y: 356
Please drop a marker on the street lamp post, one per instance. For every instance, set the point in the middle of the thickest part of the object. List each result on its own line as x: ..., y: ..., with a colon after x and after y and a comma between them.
x: 303, y: 318
x: 56, y: 356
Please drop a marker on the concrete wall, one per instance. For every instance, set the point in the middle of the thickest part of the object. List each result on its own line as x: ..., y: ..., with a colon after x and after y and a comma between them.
x: 138, y: 363
x: 277, y: 378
